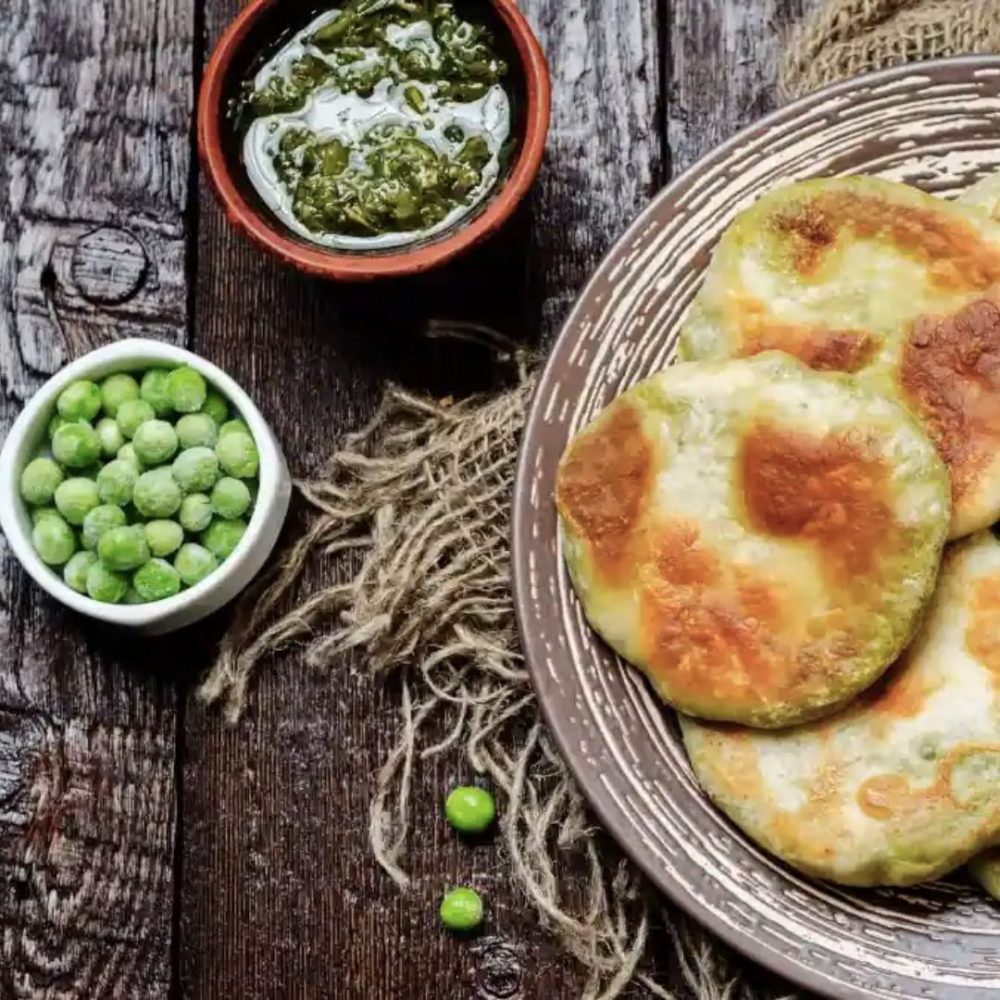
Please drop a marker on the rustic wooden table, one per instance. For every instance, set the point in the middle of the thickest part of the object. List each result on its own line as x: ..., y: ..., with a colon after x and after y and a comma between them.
x: 146, y: 850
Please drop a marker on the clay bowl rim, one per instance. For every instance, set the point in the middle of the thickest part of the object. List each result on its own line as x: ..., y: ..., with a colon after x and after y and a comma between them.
x: 362, y: 266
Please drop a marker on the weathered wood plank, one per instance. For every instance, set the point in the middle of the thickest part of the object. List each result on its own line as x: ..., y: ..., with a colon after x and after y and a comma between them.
x: 724, y: 59
x: 280, y: 895
x: 95, y: 102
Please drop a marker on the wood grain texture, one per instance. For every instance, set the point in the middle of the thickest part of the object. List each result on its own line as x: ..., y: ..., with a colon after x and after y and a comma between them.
x: 95, y: 103
x: 280, y: 895
x: 724, y: 64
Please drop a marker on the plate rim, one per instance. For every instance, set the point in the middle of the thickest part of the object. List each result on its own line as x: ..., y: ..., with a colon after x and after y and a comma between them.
x: 745, y: 943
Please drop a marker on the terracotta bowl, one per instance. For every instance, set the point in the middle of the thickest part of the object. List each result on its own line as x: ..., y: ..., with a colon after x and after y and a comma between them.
x: 255, y: 33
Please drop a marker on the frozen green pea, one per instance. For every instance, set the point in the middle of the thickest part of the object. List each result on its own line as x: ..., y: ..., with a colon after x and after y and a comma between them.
x: 193, y: 563
x: 186, y: 390
x: 216, y: 407
x: 40, y: 513
x: 196, y: 512
x: 196, y: 470
x: 75, y: 498
x: 154, y: 391
x: 156, y: 494
x: 58, y: 421
x: 124, y: 548
x: 469, y: 809
x: 462, y: 910
x: 99, y: 522
x: 110, y: 436
x: 53, y: 540
x: 154, y: 442
x: 75, y: 571
x: 164, y: 537
x: 126, y: 453
x: 116, y: 481
x: 115, y: 390
x: 75, y: 446
x: 238, y: 455
x: 106, y: 585
x: 230, y: 497
x: 132, y: 414
x: 197, y: 430
x: 221, y: 537
x: 156, y: 580
x: 39, y: 480
x: 132, y: 596
x: 80, y: 400
x: 237, y: 425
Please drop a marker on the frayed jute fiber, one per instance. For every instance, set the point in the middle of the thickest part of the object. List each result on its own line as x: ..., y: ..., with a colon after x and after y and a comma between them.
x: 420, y: 498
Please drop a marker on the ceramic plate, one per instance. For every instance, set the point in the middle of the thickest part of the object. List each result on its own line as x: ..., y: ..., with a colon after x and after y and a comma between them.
x: 935, y: 125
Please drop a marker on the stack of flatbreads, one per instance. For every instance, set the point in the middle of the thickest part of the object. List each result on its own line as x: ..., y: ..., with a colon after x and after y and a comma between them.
x: 789, y: 530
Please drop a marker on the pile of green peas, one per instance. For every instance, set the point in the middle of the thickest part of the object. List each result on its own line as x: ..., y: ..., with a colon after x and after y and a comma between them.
x: 144, y: 487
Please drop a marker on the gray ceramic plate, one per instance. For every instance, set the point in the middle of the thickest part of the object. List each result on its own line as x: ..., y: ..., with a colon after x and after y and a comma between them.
x: 936, y: 125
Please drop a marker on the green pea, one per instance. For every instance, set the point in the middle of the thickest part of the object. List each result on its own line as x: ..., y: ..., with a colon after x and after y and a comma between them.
x: 196, y: 512
x: 75, y: 446
x: 238, y: 455
x: 154, y: 391
x: 116, y: 481
x: 99, y: 522
x: 75, y: 498
x: 53, y: 540
x: 462, y: 910
x: 164, y: 537
x: 216, y: 407
x: 105, y: 585
x: 221, y: 537
x: 40, y: 513
x: 80, y: 400
x: 75, y: 571
x: 115, y: 390
x: 196, y: 469
x: 186, y: 389
x: 126, y: 453
x: 236, y: 425
x: 157, y: 494
x: 132, y: 414
x: 39, y: 481
x: 154, y: 442
x: 197, y: 430
x: 58, y: 421
x: 123, y: 549
x: 132, y: 596
x: 110, y: 436
x: 469, y: 809
x: 230, y: 498
x: 193, y: 563
x: 156, y: 581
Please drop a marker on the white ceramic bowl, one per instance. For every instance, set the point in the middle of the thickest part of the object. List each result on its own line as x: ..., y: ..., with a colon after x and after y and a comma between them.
x: 220, y: 587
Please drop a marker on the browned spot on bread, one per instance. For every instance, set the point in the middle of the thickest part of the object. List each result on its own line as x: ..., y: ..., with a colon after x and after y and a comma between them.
x: 951, y: 374
x: 826, y: 491
x: 900, y: 694
x: 820, y: 348
x: 603, y: 487
x: 893, y: 796
x: 982, y: 634
x: 955, y: 254
x: 713, y: 632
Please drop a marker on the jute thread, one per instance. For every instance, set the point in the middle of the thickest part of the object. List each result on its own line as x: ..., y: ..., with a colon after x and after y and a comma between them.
x: 421, y: 496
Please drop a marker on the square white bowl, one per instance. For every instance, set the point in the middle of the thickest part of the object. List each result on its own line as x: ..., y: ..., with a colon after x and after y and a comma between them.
x: 233, y: 574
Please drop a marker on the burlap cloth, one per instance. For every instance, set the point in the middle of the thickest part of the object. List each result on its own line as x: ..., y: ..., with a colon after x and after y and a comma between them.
x: 422, y: 497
